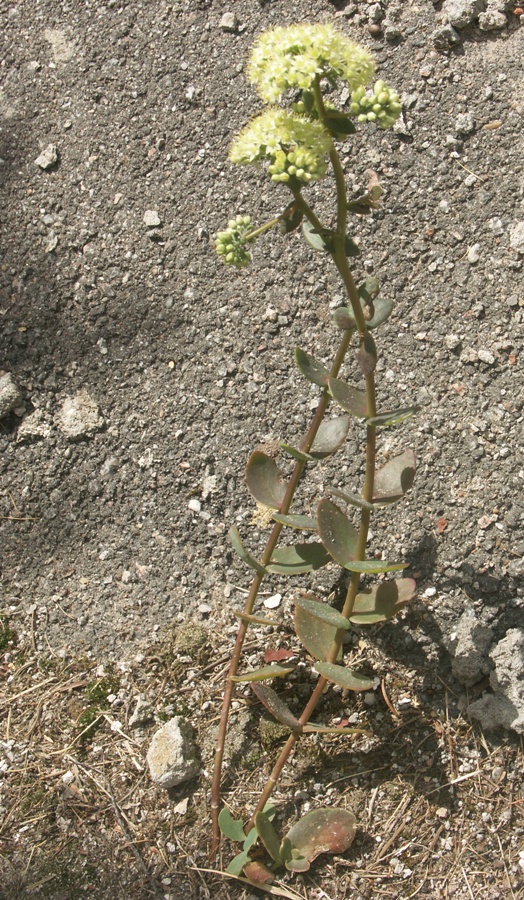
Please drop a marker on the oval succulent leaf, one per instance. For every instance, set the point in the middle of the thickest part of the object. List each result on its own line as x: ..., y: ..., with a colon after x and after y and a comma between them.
x: 348, y: 398
x: 382, y: 601
x: 394, y: 479
x: 343, y: 319
x: 367, y: 355
x: 236, y: 543
x: 323, y: 831
x: 352, y: 499
x: 346, y: 678
x: 305, y: 523
x: 382, y: 309
x: 338, y: 124
x: 298, y: 559
x: 264, y: 673
x: 316, y: 634
x: 311, y: 368
x: 330, y: 436
x: 322, y: 611
x: 374, y: 566
x: 264, y: 480
x: 236, y: 866
x: 318, y: 241
x: 278, y: 709
x: 336, y: 532
x: 230, y: 827
x: 385, y: 420
x: 295, y: 453
x: 369, y: 290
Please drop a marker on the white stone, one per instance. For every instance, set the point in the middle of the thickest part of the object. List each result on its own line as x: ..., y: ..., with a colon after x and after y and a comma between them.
x: 461, y: 13
x: 492, y: 20
x: 152, y: 219
x: 474, y: 253
x: 516, y: 237
x: 505, y: 707
x: 172, y: 755
x: 229, y: 22
x: 10, y: 395
x: 79, y: 417
x: 48, y: 157
x: 35, y: 426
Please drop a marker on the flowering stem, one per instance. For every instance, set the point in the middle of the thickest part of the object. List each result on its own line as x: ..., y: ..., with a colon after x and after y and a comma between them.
x: 254, y: 234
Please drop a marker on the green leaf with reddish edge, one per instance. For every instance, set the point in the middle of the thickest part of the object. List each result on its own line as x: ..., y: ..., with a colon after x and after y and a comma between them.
x: 298, y: 559
x: 338, y: 124
x: 264, y: 480
x: 367, y: 355
x: 291, y: 218
x: 374, y: 566
x: 263, y: 674
x: 268, y: 836
x: 382, y: 601
x: 385, y: 420
x: 346, y: 678
x: 316, y: 635
x: 295, y: 453
x: 230, y: 827
x: 304, y: 523
x: 311, y: 368
x: 349, y: 398
x: 331, y: 729
x: 278, y: 709
x: 322, y: 831
x: 236, y: 866
x: 256, y: 620
x: 236, y: 542
x: 352, y: 499
x: 257, y: 873
x: 394, y: 479
x: 322, y: 241
x: 336, y: 532
x: 322, y: 611
x: 330, y: 436
x: 343, y: 319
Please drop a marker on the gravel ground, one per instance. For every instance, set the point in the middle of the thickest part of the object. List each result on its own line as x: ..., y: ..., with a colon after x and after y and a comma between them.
x: 147, y: 371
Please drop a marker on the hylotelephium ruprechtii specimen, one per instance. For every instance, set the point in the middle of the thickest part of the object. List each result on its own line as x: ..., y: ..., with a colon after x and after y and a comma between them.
x: 298, y: 146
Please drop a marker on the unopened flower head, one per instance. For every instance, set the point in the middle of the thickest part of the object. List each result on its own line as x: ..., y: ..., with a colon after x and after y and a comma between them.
x: 381, y: 105
x: 230, y: 244
x: 294, y: 145
x: 292, y: 58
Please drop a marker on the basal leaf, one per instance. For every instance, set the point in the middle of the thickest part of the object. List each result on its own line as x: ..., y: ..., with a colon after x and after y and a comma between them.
x: 230, y: 827
x: 311, y: 368
x: 264, y: 673
x: 264, y: 480
x: 305, y: 523
x: 330, y: 436
x: 394, y: 479
x: 346, y: 678
x: 349, y: 398
x: 322, y: 831
x: 268, y: 836
x: 257, y: 873
x: 236, y: 542
x: 321, y: 611
x: 298, y: 558
x: 278, y: 709
x: 382, y: 601
x: 236, y: 866
x: 336, y: 532
x: 385, y: 420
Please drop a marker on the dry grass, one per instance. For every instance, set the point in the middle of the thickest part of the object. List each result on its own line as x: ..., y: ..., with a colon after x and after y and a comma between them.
x: 439, y: 805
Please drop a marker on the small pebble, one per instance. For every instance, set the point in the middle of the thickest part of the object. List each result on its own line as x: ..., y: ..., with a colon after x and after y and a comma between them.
x: 48, y: 157
x: 229, y: 22
x: 473, y: 255
x: 152, y: 219
x: 195, y: 504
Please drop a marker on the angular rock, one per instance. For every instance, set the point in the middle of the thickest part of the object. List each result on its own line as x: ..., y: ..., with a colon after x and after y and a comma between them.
x: 35, y: 427
x: 79, y: 417
x: 470, y: 660
x: 172, y: 755
x: 229, y: 22
x: 445, y: 37
x: 505, y: 707
x: 142, y: 714
x: 464, y: 124
x: 492, y: 20
x: 461, y: 13
x: 48, y: 157
x: 152, y: 219
x: 10, y: 395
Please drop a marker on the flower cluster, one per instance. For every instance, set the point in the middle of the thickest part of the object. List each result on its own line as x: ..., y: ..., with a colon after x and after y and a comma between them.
x: 230, y: 244
x: 295, y: 146
x: 293, y: 57
x: 382, y: 105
